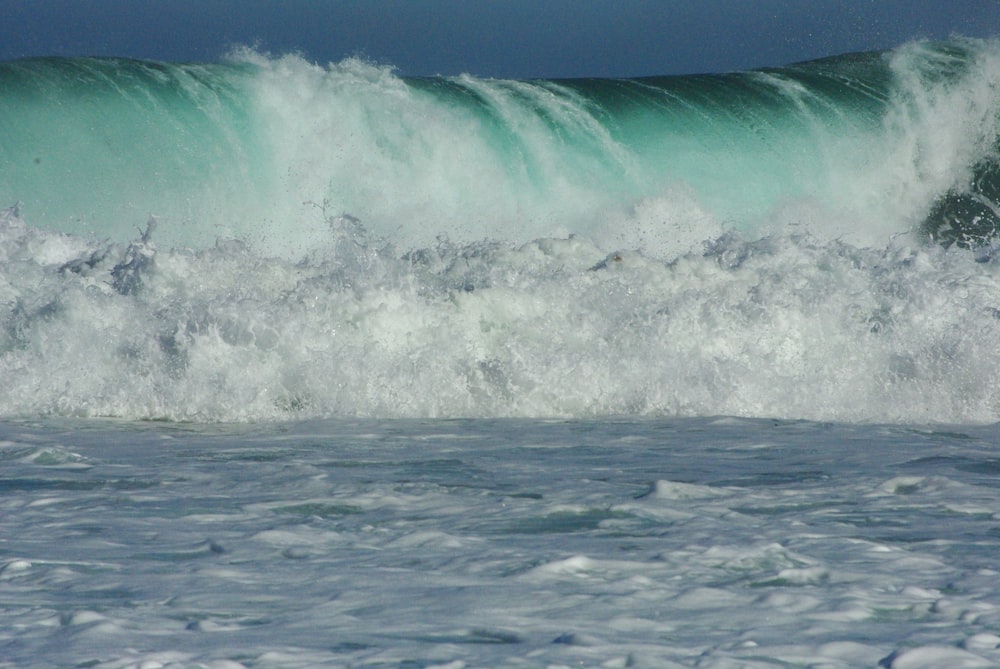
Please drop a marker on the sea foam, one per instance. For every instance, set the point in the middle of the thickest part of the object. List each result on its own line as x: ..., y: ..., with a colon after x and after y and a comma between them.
x: 815, y: 241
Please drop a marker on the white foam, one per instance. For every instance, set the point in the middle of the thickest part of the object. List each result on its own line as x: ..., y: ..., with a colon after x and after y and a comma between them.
x: 934, y: 657
x: 784, y: 327
x: 353, y: 542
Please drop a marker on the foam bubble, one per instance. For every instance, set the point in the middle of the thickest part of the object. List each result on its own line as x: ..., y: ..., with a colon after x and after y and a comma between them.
x: 782, y: 327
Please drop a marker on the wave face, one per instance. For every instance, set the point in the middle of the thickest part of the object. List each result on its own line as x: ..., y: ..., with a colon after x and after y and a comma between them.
x: 343, y: 241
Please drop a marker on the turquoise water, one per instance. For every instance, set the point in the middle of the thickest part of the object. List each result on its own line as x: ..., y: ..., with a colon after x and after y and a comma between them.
x: 264, y: 149
x: 270, y: 239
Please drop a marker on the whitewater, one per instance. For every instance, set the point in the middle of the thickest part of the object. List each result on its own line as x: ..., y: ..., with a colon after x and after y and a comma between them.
x: 318, y: 365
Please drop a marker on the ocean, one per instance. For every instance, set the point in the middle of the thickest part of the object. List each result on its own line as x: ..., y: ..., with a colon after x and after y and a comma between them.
x: 318, y: 365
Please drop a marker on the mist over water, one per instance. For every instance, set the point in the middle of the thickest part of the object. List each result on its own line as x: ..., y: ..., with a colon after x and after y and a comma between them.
x: 815, y: 241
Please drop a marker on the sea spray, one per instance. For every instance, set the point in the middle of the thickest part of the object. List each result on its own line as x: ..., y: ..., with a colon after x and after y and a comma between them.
x: 341, y: 241
x: 785, y: 326
x: 858, y: 147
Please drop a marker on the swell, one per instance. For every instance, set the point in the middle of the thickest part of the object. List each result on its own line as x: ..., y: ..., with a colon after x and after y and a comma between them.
x: 860, y: 146
x: 97, y: 145
x: 342, y: 241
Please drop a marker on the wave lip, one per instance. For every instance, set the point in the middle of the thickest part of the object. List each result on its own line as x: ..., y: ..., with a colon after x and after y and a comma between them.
x: 857, y: 147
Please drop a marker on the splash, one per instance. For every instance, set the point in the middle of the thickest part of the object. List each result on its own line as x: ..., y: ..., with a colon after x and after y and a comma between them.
x: 340, y: 241
x: 265, y: 150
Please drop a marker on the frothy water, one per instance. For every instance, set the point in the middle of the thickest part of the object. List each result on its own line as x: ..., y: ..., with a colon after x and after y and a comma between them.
x: 714, y: 543
x: 589, y: 273
x: 815, y: 241
x: 782, y: 326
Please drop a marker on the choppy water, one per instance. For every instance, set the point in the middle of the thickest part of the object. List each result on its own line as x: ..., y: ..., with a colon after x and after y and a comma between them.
x: 485, y: 543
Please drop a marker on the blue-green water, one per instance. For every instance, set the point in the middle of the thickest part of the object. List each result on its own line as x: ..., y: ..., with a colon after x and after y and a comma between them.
x: 340, y: 241
x: 862, y: 145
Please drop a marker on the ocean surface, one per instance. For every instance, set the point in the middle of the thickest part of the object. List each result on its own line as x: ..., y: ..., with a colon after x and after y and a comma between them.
x: 316, y: 365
